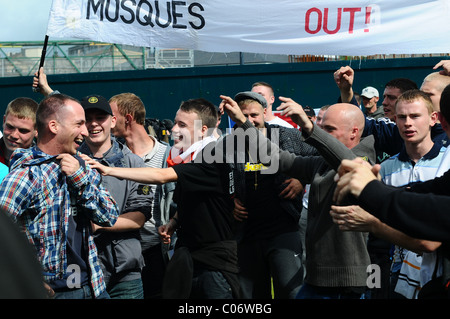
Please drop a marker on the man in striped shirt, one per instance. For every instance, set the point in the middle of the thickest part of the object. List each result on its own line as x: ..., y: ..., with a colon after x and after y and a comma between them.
x: 417, y: 162
x: 130, y: 113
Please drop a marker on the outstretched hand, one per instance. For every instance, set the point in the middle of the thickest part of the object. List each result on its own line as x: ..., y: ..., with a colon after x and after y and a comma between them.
x: 104, y: 170
x: 232, y: 109
x: 295, y: 111
x: 352, y: 218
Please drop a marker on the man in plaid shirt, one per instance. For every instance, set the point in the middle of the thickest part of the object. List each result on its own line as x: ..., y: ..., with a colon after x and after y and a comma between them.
x: 53, y: 195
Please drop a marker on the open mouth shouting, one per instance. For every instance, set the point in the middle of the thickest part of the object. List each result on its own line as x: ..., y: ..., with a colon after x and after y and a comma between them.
x: 177, y: 138
x: 79, y: 141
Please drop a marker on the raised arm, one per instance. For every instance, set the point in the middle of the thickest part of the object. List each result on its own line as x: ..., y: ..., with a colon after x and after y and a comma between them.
x: 329, y: 147
x: 344, y: 78
x: 40, y: 82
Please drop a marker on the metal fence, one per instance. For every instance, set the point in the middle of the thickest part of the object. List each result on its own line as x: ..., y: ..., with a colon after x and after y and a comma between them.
x: 64, y: 57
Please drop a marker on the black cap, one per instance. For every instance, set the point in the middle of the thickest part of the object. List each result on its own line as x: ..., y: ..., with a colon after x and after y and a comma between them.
x: 309, y: 111
x: 96, y: 102
x: 251, y: 96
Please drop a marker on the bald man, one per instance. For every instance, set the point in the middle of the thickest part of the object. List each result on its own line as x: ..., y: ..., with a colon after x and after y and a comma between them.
x: 336, y: 261
x: 433, y: 85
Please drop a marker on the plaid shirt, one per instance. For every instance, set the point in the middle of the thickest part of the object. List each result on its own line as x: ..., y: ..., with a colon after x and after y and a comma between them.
x: 39, y: 197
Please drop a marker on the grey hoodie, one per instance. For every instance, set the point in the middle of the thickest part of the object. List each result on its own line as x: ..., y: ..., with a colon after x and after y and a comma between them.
x: 120, y: 252
x: 379, y: 113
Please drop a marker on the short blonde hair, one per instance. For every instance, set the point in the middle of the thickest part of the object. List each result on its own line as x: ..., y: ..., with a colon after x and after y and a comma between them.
x: 129, y: 103
x: 414, y: 95
x: 23, y: 108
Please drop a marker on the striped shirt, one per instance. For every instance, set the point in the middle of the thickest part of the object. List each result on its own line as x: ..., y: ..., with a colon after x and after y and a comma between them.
x: 149, y: 233
x: 399, y: 171
x: 40, y: 197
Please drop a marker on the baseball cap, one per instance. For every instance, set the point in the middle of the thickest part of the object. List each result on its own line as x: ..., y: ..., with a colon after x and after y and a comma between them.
x: 309, y: 111
x: 252, y: 96
x: 96, y: 102
x: 369, y: 92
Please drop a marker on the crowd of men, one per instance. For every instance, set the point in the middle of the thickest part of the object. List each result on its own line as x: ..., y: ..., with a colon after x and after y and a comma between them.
x: 264, y: 211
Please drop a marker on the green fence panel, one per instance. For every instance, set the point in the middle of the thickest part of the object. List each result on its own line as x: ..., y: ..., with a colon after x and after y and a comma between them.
x: 162, y: 90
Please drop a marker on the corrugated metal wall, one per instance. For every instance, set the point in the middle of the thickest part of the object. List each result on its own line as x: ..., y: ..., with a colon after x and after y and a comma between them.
x: 162, y: 90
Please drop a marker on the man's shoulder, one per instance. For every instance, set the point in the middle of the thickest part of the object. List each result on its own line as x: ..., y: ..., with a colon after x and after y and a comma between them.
x: 284, y: 132
x: 158, y: 155
x: 394, y: 165
x: 131, y: 159
x: 162, y: 147
x: 378, y: 114
x: 390, y: 161
x: 25, y: 155
x: 378, y: 123
x: 366, y: 148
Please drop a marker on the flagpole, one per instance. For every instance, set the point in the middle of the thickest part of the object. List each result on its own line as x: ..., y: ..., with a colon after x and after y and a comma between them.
x: 41, y: 63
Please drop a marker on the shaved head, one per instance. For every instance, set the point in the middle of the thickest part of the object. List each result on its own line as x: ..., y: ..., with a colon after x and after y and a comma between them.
x: 345, y: 122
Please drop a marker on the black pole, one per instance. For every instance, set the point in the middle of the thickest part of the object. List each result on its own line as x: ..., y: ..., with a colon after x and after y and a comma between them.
x: 41, y: 63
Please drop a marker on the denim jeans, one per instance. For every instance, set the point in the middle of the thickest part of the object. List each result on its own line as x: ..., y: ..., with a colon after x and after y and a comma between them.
x: 209, y: 284
x: 84, y: 292
x: 131, y: 289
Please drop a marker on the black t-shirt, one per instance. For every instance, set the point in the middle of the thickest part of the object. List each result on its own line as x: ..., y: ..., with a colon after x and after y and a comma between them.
x: 205, y: 205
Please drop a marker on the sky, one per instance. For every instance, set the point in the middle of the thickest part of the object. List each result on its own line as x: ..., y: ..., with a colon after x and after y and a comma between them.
x: 23, y: 20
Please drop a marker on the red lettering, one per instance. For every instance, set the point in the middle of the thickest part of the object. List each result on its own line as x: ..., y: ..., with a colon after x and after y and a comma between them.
x: 319, y: 20
x: 368, y: 12
x: 352, y: 17
x: 338, y: 22
x: 324, y: 19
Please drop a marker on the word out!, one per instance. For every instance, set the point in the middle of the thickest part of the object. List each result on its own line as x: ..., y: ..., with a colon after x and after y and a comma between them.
x: 341, y: 19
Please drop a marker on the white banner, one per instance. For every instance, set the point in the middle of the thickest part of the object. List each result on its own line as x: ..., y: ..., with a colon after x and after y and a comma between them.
x: 320, y: 27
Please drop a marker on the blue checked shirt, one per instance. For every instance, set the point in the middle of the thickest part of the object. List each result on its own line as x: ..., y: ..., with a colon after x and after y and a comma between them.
x: 38, y: 196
